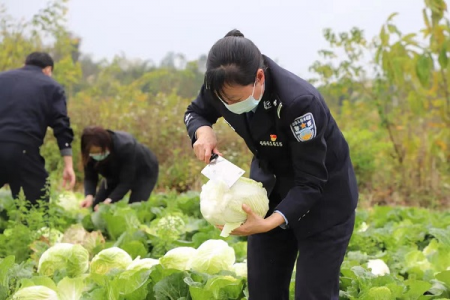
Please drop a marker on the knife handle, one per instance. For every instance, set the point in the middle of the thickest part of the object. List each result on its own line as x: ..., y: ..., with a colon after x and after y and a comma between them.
x: 213, y: 157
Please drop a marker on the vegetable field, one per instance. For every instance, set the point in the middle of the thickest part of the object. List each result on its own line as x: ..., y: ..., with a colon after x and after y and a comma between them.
x: 164, y: 249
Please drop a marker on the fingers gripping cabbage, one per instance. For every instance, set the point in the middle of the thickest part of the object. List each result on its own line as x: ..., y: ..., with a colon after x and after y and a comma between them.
x: 221, y: 205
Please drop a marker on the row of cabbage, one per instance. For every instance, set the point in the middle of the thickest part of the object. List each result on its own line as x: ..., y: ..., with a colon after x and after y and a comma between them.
x: 395, y: 253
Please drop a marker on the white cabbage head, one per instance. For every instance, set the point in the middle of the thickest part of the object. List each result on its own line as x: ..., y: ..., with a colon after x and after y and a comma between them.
x: 51, y: 234
x: 37, y: 292
x: 64, y: 256
x: 212, y: 257
x: 240, y: 269
x: 178, y: 258
x: 221, y: 205
x: 108, y: 259
x: 378, y: 267
x: 142, y: 264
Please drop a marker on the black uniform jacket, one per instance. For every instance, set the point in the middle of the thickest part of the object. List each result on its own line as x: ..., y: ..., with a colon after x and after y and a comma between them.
x: 31, y: 101
x: 300, y: 154
x: 129, y: 163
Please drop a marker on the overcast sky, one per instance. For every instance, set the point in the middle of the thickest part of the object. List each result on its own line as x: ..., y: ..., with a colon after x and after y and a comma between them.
x: 289, y: 31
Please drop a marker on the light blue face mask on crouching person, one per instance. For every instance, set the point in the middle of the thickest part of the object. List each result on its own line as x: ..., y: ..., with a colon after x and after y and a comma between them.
x: 99, y: 157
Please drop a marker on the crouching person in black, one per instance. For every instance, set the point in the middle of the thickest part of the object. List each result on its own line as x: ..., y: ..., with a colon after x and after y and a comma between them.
x: 125, y: 165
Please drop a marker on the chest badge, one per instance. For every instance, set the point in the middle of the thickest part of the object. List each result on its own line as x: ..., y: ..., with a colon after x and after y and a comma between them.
x: 272, y: 143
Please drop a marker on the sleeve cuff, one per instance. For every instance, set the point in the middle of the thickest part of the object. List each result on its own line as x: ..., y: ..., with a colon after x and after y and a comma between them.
x: 66, y: 152
x: 285, y: 225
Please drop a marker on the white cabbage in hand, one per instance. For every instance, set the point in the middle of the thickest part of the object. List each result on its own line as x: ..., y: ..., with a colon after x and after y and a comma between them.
x: 221, y: 205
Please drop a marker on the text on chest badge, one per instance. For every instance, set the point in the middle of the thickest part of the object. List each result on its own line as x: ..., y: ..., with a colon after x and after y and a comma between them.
x: 272, y: 143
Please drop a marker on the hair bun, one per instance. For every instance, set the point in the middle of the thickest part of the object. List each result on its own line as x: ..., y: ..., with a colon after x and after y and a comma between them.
x: 234, y: 32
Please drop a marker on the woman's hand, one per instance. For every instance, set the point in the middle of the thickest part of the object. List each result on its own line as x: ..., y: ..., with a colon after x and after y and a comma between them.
x: 206, y: 144
x: 87, y: 202
x: 256, y: 224
x: 107, y: 201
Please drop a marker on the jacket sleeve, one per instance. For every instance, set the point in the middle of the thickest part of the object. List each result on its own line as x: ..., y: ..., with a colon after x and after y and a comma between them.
x: 60, y: 122
x: 90, y: 179
x: 200, y: 113
x: 127, y: 156
x: 308, y: 121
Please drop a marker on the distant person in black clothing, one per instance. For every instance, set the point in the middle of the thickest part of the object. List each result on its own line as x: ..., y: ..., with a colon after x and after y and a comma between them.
x: 30, y: 102
x: 125, y: 165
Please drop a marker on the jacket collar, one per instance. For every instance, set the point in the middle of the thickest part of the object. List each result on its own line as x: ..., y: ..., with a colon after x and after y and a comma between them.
x: 32, y: 68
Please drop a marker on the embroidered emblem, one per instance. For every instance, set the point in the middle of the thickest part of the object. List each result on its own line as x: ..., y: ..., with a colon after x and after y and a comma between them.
x: 273, y: 137
x: 267, y: 105
x: 304, y: 127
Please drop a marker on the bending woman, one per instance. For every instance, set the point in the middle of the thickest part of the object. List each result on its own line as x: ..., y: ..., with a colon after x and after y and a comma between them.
x: 124, y: 164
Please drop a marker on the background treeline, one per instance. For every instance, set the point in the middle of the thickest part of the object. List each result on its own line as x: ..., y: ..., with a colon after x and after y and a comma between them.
x: 389, y: 93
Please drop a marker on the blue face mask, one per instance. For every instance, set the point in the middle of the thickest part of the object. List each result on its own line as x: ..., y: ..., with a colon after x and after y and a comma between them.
x: 99, y: 157
x: 246, y: 105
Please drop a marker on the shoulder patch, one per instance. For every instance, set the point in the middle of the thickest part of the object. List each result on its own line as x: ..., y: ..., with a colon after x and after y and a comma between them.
x: 304, y: 127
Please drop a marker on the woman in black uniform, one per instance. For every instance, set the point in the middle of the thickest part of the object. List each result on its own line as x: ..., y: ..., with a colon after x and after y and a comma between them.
x: 125, y: 165
x: 300, y: 156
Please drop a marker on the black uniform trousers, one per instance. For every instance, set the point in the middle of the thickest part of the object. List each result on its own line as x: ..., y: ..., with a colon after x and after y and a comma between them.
x: 140, y: 190
x: 272, y: 255
x: 23, y: 167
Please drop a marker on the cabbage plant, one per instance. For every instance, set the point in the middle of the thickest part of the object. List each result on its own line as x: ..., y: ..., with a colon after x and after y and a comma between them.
x: 142, y: 264
x: 178, y: 258
x: 108, y: 259
x: 73, y: 259
x: 36, y: 292
x: 212, y: 257
x: 240, y: 269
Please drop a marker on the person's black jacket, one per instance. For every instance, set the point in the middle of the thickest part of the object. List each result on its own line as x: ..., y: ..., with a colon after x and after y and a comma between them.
x: 128, y: 163
x: 300, y: 155
x: 31, y: 101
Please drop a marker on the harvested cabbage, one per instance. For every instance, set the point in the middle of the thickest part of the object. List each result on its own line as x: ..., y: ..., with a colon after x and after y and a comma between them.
x: 221, y: 205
